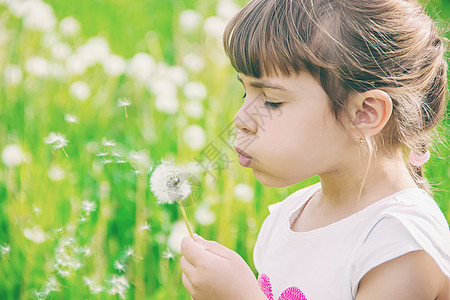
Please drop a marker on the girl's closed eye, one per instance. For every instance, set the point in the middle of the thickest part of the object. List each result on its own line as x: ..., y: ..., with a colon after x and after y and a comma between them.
x: 271, y: 105
x: 267, y: 104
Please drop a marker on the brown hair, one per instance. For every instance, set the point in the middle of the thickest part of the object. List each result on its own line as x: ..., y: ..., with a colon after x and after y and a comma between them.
x: 351, y: 45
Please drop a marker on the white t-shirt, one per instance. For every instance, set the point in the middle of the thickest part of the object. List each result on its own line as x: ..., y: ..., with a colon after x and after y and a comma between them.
x: 328, y: 262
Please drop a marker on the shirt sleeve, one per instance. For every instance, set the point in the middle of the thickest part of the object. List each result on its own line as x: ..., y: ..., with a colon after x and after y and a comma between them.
x: 387, y: 240
x: 410, y: 225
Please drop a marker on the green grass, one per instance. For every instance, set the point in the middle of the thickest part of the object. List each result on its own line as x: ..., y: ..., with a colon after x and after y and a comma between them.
x: 36, y: 107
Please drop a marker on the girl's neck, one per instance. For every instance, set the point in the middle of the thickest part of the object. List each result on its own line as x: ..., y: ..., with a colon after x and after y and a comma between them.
x: 384, y: 177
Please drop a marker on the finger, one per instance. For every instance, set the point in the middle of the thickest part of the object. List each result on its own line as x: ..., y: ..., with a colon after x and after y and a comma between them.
x: 215, y: 247
x: 187, y: 284
x: 187, y: 267
x: 193, y: 251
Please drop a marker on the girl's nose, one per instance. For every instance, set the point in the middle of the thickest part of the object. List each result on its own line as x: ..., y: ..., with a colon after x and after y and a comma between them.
x: 244, y: 120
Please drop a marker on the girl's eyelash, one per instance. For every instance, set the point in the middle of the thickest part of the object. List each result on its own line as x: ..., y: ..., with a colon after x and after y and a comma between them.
x: 267, y: 104
x: 272, y: 105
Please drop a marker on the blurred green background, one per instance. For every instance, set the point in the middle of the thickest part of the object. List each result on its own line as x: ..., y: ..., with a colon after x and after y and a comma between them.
x: 77, y: 219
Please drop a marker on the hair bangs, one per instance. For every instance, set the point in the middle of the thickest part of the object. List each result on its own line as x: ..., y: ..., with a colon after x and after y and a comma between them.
x: 259, y: 41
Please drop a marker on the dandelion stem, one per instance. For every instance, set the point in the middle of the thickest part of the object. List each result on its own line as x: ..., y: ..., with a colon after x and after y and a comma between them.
x: 65, y: 152
x: 185, y: 219
x: 126, y: 115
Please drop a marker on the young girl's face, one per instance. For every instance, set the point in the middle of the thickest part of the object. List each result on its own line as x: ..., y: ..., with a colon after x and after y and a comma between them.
x: 287, y: 132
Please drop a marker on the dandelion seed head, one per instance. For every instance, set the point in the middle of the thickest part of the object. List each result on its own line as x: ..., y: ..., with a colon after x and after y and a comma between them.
x: 168, y: 254
x: 168, y: 185
x: 70, y: 118
x: 123, y: 102
x: 5, y: 249
x: 145, y: 227
x: 94, y: 287
x: 119, y: 286
x: 129, y: 251
x: 57, y: 140
x: 108, y: 143
x: 119, y: 266
x: 107, y: 161
x: 88, y: 206
x: 36, y: 210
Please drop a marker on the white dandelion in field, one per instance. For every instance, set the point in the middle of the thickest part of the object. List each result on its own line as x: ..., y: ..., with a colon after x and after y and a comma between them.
x: 194, y: 109
x: 70, y: 118
x: 169, y: 185
x: 124, y: 102
x: 88, y: 206
x: 35, y: 234
x: 190, y: 20
x: 168, y: 254
x: 119, y: 286
x: 141, y: 67
x: 36, y: 210
x: 102, y: 154
x: 61, y: 51
x: 94, y: 287
x: 108, y: 143
x: 119, y: 266
x: 80, y: 90
x: 56, y: 173
x: 12, y: 155
x: 114, y: 65
x: 129, y: 251
x: 177, y: 233
x: 195, y: 90
x: 193, y: 62
x: 37, y: 66
x: 214, y: 26
x: 204, y: 215
x: 194, y: 136
x: 69, y: 26
x: 13, y: 75
x: 5, y: 249
x: 145, y: 227
x: 244, y: 193
x: 107, y: 161
x: 57, y: 140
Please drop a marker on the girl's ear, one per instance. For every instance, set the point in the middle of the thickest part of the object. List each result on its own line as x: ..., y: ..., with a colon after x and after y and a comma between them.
x: 370, y: 111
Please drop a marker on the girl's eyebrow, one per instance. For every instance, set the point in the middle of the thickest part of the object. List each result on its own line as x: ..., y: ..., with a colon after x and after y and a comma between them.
x: 264, y: 84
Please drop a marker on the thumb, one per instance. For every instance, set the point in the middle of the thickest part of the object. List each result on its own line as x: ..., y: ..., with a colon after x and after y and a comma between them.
x: 215, y: 247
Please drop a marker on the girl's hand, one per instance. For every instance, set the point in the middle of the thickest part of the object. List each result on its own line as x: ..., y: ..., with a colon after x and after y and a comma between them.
x: 212, y: 271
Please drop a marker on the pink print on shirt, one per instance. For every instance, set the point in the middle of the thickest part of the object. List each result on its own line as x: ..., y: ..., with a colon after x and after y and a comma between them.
x: 291, y: 293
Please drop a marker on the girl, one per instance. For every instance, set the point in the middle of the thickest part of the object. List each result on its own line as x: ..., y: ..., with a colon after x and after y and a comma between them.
x: 353, y: 89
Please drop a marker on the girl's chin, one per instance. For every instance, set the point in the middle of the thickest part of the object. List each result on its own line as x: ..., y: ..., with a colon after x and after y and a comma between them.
x: 270, y: 181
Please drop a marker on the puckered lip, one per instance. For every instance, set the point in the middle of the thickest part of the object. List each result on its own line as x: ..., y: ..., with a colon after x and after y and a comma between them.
x: 240, y: 151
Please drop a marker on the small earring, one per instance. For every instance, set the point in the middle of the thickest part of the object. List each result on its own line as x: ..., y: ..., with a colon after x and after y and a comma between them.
x: 361, y: 140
